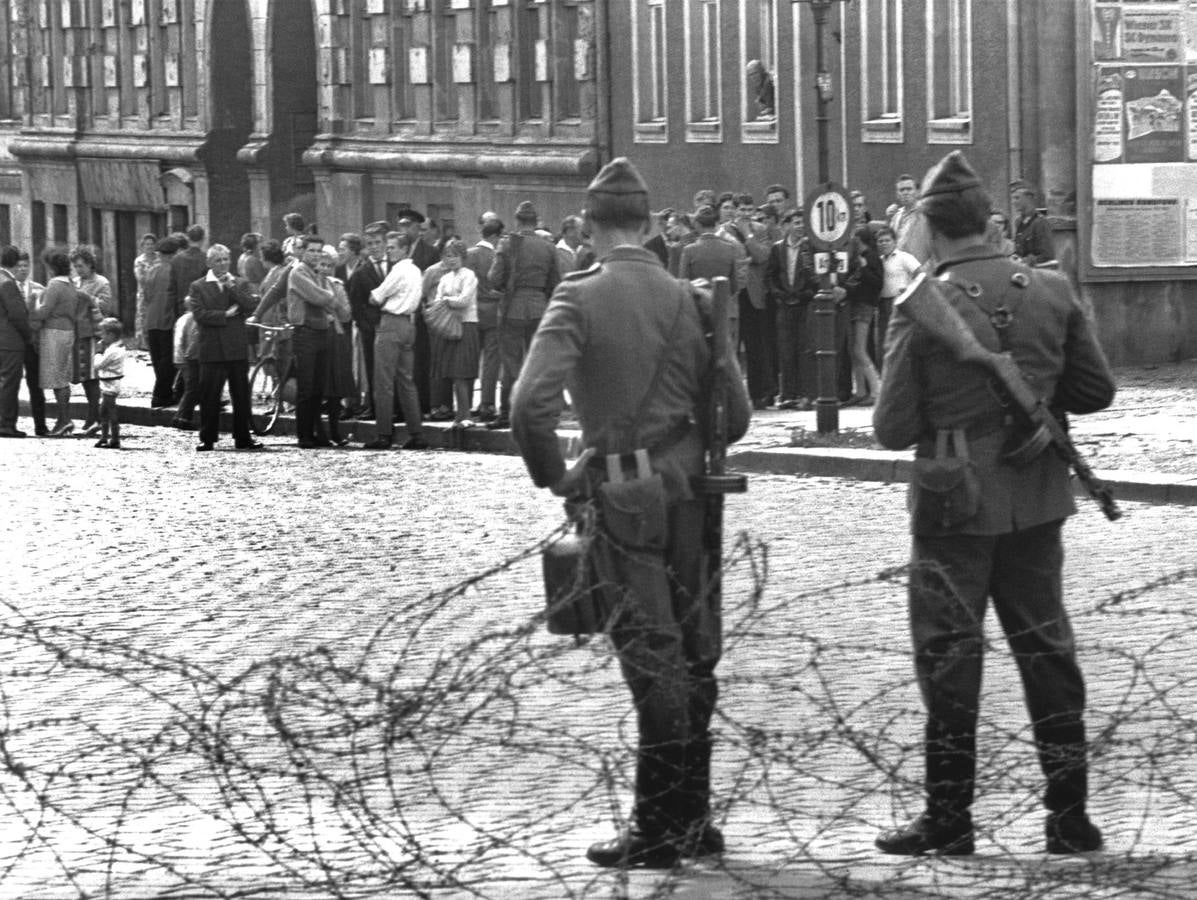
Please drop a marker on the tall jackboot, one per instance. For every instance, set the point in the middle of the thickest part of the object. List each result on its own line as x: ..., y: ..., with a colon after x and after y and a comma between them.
x: 946, y: 825
x: 702, y: 837
x: 654, y: 839
x: 1064, y: 758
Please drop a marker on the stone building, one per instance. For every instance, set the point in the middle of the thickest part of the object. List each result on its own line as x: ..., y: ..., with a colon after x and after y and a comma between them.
x: 119, y: 117
x: 122, y: 117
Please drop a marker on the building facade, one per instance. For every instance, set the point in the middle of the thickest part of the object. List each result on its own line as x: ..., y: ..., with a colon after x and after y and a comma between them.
x: 119, y: 117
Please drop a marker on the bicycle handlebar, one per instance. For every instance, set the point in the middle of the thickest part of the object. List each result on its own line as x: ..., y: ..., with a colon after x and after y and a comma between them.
x: 287, y: 327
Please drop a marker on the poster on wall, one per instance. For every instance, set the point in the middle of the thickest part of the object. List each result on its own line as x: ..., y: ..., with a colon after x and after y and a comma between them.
x: 1142, y: 111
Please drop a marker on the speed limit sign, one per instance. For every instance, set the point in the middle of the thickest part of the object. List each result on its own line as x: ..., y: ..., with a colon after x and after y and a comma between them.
x: 828, y: 216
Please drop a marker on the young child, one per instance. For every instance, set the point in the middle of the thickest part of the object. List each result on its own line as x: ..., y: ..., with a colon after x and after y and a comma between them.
x: 110, y: 371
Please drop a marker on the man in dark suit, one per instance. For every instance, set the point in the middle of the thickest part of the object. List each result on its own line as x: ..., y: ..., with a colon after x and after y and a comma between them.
x: 791, y: 282
x: 480, y: 258
x: 188, y: 264
x: 366, y: 277
x: 16, y: 337
x: 711, y: 256
x: 1006, y: 546
x: 220, y: 303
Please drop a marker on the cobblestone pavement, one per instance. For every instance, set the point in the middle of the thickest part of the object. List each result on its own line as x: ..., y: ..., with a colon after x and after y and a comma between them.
x: 242, y: 675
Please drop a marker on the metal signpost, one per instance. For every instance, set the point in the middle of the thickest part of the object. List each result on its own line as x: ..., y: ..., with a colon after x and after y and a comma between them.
x: 828, y: 212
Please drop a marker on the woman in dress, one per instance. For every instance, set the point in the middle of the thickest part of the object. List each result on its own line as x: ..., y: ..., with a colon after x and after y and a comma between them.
x: 95, y: 304
x: 56, y: 311
x: 141, y: 267
x: 457, y: 360
x: 864, y: 294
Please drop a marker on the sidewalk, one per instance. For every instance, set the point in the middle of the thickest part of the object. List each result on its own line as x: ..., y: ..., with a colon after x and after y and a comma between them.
x: 1144, y: 446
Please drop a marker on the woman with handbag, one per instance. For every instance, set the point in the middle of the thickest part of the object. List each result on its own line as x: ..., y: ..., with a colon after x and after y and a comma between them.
x: 452, y: 319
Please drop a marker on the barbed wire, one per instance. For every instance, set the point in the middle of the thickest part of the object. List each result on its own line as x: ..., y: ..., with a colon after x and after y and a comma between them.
x: 483, y: 764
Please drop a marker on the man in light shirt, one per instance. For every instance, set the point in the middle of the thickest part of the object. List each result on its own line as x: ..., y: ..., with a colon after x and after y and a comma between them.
x: 398, y: 297
x: 908, y: 222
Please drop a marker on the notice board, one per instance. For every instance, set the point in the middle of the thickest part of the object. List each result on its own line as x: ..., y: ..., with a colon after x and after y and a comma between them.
x: 1137, y: 138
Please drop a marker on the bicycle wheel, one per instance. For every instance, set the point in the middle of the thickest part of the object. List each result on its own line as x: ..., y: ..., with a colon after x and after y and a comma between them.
x: 263, y: 397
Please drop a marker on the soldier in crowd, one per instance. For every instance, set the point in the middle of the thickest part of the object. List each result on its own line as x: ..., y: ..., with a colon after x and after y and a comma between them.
x: 525, y: 270
x: 629, y: 340
x: 996, y: 535
x: 710, y: 257
x: 1033, y: 242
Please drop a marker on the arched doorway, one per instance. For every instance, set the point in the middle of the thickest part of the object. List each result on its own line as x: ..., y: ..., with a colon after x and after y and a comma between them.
x: 232, y: 121
x: 293, y: 110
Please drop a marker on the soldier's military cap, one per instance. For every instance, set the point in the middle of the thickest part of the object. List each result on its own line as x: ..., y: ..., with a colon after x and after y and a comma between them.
x: 950, y: 175
x: 618, y: 178
x: 411, y: 215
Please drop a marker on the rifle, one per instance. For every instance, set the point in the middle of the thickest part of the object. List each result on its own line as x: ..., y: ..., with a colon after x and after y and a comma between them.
x: 927, y: 304
x: 715, y: 482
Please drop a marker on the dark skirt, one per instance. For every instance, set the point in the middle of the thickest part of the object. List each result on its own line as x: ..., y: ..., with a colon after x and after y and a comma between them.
x: 339, y: 380
x: 83, y: 359
x: 457, y: 359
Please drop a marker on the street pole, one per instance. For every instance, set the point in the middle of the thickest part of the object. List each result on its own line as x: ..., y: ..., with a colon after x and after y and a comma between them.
x: 827, y: 403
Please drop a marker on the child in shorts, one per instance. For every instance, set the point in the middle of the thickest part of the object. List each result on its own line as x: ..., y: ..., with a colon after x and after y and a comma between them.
x: 110, y: 371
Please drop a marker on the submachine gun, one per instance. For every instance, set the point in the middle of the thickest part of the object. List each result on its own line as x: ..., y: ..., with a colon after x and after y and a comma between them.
x: 925, y: 302
x: 716, y: 481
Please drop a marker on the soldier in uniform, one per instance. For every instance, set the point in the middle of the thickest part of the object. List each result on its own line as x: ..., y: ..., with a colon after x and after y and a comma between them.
x: 629, y: 342
x: 1009, y: 548
x: 525, y: 270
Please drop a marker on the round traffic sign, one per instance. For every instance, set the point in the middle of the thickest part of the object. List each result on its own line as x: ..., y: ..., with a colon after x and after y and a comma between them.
x: 828, y: 216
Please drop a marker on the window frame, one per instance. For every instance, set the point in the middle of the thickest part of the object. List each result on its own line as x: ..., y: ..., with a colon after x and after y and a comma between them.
x: 650, y: 125
x: 957, y: 126
x: 889, y: 127
x: 758, y: 131
x: 707, y: 130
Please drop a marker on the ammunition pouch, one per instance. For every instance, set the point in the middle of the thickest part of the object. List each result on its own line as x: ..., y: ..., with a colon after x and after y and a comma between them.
x: 633, y: 513
x: 947, y: 491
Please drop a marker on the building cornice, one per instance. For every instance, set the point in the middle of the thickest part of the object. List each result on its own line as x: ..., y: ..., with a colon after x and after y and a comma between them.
x: 460, y: 157
x: 170, y: 147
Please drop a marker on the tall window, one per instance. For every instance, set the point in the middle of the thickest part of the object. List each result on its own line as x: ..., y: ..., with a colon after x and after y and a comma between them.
x: 7, y: 67
x: 532, y: 53
x: 881, y: 71
x: 650, y: 84
x: 567, y: 98
x: 758, y: 70
x: 444, y: 86
x: 362, y: 52
x: 949, y: 71
x: 704, y: 75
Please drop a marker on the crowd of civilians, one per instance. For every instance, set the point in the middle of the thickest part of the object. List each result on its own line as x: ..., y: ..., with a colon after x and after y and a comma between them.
x: 399, y: 323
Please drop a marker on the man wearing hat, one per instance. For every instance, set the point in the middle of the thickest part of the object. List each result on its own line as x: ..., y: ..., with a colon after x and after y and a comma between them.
x: 526, y: 271
x: 1006, y: 547
x: 630, y: 342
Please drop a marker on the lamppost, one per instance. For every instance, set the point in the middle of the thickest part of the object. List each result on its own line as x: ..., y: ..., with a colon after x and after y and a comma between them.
x: 825, y: 308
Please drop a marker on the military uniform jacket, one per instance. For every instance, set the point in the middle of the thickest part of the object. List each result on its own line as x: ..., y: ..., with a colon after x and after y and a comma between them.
x: 710, y: 257
x: 601, y: 337
x: 925, y: 389
x: 528, y: 264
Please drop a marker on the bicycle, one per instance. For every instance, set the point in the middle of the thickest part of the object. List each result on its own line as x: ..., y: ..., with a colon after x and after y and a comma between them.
x: 268, y: 393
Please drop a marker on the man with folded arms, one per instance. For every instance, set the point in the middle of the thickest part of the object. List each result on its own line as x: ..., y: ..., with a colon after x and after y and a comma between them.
x: 398, y: 298
x: 220, y: 302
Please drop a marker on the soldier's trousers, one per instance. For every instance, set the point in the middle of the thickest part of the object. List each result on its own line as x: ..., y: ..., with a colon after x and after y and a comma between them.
x: 667, y: 634
x: 951, y: 580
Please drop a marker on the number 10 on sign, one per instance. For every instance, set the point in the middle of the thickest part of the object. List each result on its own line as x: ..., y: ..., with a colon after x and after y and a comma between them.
x: 828, y: 216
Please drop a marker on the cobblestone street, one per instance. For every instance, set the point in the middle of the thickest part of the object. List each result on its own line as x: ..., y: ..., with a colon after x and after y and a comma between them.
x: 231, y: 672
